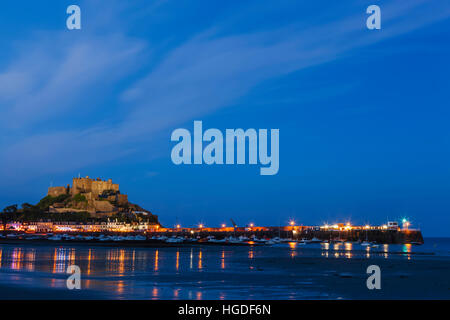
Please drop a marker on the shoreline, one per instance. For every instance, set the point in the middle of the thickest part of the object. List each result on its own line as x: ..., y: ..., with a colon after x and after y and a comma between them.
x: 124, y: 243
x: 267, y: 274
x: 162, y: 244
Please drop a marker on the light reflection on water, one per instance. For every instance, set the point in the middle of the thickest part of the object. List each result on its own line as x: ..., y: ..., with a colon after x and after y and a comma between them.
x: 293, y: 247
x: 348, y: 246
x: 62, y: 258
x: 222, y: 260
x: 200, y: 260
x: 407, y: 250
x: 17, y: 259
x: 121, y: 261
x: 156, y: 260
x: 155, y: 293
x: 124, y: 267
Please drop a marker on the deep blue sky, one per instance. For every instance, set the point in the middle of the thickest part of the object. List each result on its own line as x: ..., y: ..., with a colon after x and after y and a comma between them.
x: 363, y: 115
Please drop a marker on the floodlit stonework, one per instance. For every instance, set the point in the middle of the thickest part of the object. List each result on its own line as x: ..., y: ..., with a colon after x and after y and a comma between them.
x: 99, y: 197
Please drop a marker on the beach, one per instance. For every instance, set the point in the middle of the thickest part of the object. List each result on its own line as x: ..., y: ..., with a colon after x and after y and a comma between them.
x: 284, y: 271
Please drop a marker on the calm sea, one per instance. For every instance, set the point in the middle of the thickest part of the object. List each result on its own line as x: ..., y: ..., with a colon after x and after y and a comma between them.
x: 285, y: 271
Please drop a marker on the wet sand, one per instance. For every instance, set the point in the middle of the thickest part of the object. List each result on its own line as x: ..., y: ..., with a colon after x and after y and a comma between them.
x: 219, y: 272
x: 346, y: 278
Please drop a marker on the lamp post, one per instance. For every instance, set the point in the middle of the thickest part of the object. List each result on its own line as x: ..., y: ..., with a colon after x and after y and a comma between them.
x: 405, y: 224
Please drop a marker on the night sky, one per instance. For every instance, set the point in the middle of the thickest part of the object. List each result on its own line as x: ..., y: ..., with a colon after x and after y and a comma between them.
x: 363, y: 114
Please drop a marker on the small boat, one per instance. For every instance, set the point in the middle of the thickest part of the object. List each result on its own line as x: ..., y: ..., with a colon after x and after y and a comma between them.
x: 55, y: 238
x: 315, y: 240
x: 275, y: 240
x: 234, y: 240
x: 260, y: 240
x: 365, y: 243
x: 174, y: 240
x: 217, y: 240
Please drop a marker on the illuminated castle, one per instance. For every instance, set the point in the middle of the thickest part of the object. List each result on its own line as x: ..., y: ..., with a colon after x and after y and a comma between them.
x: 99, y: 197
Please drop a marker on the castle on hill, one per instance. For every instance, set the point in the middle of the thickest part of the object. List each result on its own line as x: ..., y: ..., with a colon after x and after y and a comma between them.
x: 96, y: 196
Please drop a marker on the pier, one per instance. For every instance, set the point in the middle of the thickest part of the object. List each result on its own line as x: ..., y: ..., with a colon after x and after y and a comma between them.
x: 390, y: 233
x: 298, y: 233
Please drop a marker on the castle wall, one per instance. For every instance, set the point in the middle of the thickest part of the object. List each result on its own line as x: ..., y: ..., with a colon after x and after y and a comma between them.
x: 56, y: 191
x: 89, y: 185
x: 99, y: 186
x: 91, y: 189
x: 104, y: 206
x: 52, y: 209
x: 122, y: 199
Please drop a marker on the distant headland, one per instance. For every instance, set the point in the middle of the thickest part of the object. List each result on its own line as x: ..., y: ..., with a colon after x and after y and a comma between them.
x: 100, y: 198
x: 87, y: 201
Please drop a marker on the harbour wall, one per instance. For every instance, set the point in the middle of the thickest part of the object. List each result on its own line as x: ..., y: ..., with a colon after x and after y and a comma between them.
x: 378, y: 236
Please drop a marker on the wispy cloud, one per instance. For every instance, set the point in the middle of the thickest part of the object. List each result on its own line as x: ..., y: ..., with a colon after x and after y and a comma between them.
x: 209, y: 71
x: 53, y: 74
